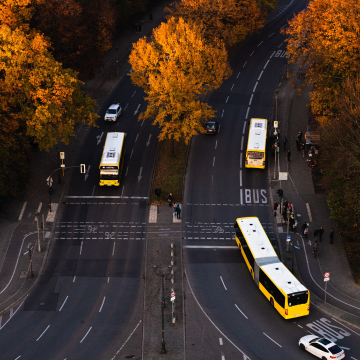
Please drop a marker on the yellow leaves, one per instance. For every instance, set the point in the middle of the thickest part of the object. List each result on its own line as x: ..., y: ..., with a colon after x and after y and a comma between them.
x: 175, y: 69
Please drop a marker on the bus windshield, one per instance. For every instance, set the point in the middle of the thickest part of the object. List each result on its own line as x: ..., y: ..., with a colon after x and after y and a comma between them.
x: 298, y: 298
x: 255, y: 155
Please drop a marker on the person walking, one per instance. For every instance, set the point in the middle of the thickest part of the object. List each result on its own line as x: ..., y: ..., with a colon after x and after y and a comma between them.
x: 297, y: 144
x: 276, y: 205
x: 284, y: 213
x: 288, y: 155
x: 321, y: 232
x: 303, y: 227
x: 303, y: 149
x: 315, y: 248
x: 174, y: 211
x: 291, y: 223
x: 170, y: 199
x: 300, y: 135
x: 316, y: 234
x: 178, y: 211
x: 331, y: 236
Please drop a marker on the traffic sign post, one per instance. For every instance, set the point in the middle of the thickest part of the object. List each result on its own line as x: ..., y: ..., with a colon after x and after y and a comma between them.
x: 288, y: 238
x: 62, y: 157
x: 326, y: 279
x: 172, y: 296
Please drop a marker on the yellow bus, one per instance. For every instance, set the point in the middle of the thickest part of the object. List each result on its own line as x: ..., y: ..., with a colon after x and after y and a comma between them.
x: 112, y: 159
x: 284, y: 292
x: 256, y: 146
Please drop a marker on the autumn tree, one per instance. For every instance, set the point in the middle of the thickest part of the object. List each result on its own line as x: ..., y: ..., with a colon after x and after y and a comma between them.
x: 46, y: 99
x: 229, y: 20
x: 80, y: 31
x: 175, y: 68
x: 325, y: 39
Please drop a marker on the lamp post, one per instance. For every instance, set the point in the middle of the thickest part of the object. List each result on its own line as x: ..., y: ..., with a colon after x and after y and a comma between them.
x: 37, y: 213
x: 30, y: 247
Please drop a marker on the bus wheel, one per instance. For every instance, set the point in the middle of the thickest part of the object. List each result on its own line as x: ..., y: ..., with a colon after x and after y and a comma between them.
x: 272, y: 301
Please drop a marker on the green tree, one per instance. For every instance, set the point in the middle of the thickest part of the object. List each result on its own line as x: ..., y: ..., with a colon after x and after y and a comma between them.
x: 175, y: 69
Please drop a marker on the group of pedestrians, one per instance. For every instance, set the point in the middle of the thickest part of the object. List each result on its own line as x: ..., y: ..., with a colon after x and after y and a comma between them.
x: 176, y: 207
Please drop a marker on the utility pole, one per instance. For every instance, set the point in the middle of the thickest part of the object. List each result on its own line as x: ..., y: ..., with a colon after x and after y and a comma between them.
x: 38, y: 232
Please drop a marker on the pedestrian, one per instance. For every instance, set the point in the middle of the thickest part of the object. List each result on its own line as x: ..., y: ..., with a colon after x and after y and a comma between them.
x: 178, y: 211
x: 315, y: 248
x: 300, y: 135
x: 303, y: 149
x: 331, y: 236
x: 285, y: 143
x: 298, y: 144
x: 150, y: 17
x: 275, y: 207
x: 291, y: 223
x: 316, y: 234
x: 170, y: 200
x: 288, y: 155
x: 174, y: 211
x: 303, y: 227
x: 284, y: 213
x: 286, y: 204
x: 321, y: 232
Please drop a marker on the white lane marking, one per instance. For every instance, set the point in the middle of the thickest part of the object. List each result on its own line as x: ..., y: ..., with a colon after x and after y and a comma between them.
x: 232, y: 87
x: 272, y: 54
x: 351, y: 358
x: 227, y: 100
x: 299, y: 326
x: 271, y: 34
x: 238, y: 75
x: 272, y: 340
x: 247, y: 112
x: 17, y: 260
x: 63, y: 303
x: 127, y: 340
x: 136, y: 137
x: 252, y: 53
x: 241, y: 155
x: 102, y: 304
x: 343, y: 347
x: 241, y: 312
x: 219, y: 129
x: 13, y: 313
x: 214, y: 161
x: 222, y: 357
x: 251, y: 99
x: 244, y: 127
x: 215, y: 144
x: 328, y: 294
x: 260, y: 43
x: 209, y: 247
x: 260, y: 75
x: 142, y: 122
x: 137, y: 109
x: 267, y: 63
x: 148, y: 142
x: 126, y: 106
x: 139, y: 177
x: 113, y: 252
x: 122, y: 191
x: 242, y: 143
x: 245, y: 64
x: 81, y: 247
x: 237, y: 348
x: 134, y: 93
x: 240, y: 177
x: 42, y: 333
x: 308, y: 211
x: 222, y: 114
x: 108, y: 279
x: 22, y: 213
x: 85, y: 335
x: 255, y: 86
x: 280, y: 44
x: 131, y: 153
x: 18, y: 357
x: 74, y: 278
x: 221, y: 341
x: 346, y: 326
x: 127, y: 169
x: 93, y: 191
x: 223, y: 282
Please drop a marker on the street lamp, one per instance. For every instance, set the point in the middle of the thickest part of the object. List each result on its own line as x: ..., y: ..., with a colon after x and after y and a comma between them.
x: 30, y: 247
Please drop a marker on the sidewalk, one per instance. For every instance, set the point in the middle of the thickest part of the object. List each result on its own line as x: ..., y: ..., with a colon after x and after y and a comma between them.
x: 309, y: 203
x: 17, y: 225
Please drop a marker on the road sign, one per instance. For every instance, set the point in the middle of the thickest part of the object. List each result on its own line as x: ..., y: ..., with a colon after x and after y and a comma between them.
x: 62, y: 155
x: 172, y: 297
x: 326, y: 279
x: 327, y: 275
x: 297, y: 247
x: 288, y: 238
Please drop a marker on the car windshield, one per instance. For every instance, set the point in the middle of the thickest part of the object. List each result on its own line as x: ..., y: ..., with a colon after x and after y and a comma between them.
x: 334, y: 349
x: 255, y: 155
x: 298, y: 298
x: 324, y: 341
x: 111, y: 111
x: 210, y: 126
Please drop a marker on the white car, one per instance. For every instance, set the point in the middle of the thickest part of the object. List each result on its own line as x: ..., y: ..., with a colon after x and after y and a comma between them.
x: 320, y: 347
x: 113, y: 112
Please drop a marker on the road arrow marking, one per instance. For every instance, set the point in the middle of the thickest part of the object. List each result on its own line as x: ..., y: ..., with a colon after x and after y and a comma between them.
x: 139, y: 177
x: 136, y: 111
x: 87, y: 173
x: 148, y: 142
x: 99, y: 138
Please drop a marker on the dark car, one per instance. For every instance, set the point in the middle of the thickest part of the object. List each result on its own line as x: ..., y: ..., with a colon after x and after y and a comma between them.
x: 211, y: 127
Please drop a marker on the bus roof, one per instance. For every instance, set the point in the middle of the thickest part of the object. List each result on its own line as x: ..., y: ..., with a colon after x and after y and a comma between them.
x: 266, y: 256
x: 257, y: 134
x: 256, y: 237
x: 112, y: 149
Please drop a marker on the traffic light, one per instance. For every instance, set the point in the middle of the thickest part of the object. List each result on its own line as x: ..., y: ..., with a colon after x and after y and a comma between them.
x: 281, y: 193
x: 50, y: 190
x: 157, y: 192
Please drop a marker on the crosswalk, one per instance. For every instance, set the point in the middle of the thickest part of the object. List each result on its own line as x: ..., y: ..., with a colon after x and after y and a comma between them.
x: 277, y: 11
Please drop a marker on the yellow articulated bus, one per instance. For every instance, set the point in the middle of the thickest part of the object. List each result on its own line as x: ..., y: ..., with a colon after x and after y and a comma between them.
x: 112, y: 159
x: 285, y: 293
x: 256, y: 147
